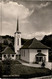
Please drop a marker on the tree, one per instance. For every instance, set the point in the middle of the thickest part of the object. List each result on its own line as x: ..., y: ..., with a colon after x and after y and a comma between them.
x: 5, y: 42
x: 11, y: 46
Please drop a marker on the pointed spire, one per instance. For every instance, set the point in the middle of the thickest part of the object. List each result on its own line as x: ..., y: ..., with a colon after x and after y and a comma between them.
x: 17, y: 26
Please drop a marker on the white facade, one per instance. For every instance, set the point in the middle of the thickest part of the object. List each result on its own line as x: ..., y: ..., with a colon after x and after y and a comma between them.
x: 17, y: 43
x: 33, y: 53
x: 5, y: 56
x: 25, y: 55
x: 30, y: 54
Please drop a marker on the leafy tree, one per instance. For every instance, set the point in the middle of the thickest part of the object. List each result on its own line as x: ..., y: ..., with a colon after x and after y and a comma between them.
x: 5, y: 42
x: 11, y: 46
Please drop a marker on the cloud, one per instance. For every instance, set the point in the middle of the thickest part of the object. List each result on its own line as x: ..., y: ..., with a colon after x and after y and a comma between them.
x: 34, y: 21
x: 14, y: 9
x: 10, y: 12
x: 43, y: 5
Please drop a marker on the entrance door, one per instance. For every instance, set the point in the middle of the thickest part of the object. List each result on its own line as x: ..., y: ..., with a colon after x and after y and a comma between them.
x: 39, y: 59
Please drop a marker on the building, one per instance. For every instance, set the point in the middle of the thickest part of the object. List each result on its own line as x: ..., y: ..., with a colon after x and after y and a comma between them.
x: 34, y: 51
x: 31, y: 51
x: 8, y: 53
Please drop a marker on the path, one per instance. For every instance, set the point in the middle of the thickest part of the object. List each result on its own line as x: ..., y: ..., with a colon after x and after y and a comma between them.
x: 29, y: 64
x: 47, y: 64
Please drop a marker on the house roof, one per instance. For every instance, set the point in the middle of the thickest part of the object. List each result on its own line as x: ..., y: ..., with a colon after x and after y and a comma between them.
x: 40, y: 54
x: 34, y: 44
x: 8, y: 50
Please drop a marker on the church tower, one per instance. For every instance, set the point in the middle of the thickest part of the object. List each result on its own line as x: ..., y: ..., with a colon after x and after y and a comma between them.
x: 17, y: 42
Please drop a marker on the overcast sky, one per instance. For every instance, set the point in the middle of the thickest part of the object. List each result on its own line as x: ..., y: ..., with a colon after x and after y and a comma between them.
x: 35, y: 17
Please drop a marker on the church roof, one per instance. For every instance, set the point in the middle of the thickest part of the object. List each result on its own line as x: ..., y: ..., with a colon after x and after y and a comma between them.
x: 8, y: 50
x: 34, y: 44
x: 40, y: 54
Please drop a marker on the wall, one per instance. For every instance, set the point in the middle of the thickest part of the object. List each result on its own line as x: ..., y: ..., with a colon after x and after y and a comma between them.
x: 16, y: 46
x: 33, y: 52
x: 26, y: 57
x: 13, y: 57
x: 30, y: 54
x: 3, y: 58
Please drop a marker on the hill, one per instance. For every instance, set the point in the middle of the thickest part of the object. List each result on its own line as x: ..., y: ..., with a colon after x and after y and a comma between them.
x: 47, y: 40
x: 10, y: 39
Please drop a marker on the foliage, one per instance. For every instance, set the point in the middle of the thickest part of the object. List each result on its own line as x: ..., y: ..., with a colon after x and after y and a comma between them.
x: 5, y: 42
x: 0, y: 69
x: 23, y: 40
x: 11, y: 46
x: 47, y: 40
x: 6, y: 68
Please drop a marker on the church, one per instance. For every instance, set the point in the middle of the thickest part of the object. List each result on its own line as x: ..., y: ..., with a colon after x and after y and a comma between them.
x: 31, y: 51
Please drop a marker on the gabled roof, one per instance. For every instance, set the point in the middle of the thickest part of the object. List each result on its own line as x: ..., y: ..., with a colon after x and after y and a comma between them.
x: 40, y: 54
x: 34, y: 44
x: 8, y: 50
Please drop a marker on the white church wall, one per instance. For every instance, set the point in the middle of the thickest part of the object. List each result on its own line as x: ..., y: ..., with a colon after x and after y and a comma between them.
x: 17, y: 43
x: 32, y: 57
x: 26, y: 56
x: 4, y: 58
x: 13, y: 58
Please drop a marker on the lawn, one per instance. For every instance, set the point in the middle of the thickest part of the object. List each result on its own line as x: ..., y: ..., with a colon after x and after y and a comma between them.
x: 25, y: 71
x: 15, y: 68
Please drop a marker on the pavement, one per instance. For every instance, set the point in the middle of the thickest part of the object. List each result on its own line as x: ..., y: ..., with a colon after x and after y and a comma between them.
x: 47, y: 64
x: 29, y: 64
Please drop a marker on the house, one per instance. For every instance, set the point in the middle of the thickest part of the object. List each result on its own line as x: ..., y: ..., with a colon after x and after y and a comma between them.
x: 8, y: 53
x: 34, y: 51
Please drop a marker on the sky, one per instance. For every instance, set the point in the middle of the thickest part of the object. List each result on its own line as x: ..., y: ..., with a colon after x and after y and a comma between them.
x: 35, y: 18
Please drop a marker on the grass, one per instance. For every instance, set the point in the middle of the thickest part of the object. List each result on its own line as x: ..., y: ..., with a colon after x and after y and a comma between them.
x: 28, y: 71
x: 16, y: 68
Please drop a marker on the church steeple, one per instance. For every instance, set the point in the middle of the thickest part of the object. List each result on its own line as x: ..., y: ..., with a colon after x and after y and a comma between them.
x: 17, y: 30
x: 17, y: 42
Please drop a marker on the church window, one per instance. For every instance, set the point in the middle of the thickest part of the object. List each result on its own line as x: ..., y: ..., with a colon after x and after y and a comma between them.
x: 17, y: 41
x: 12, y: 55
